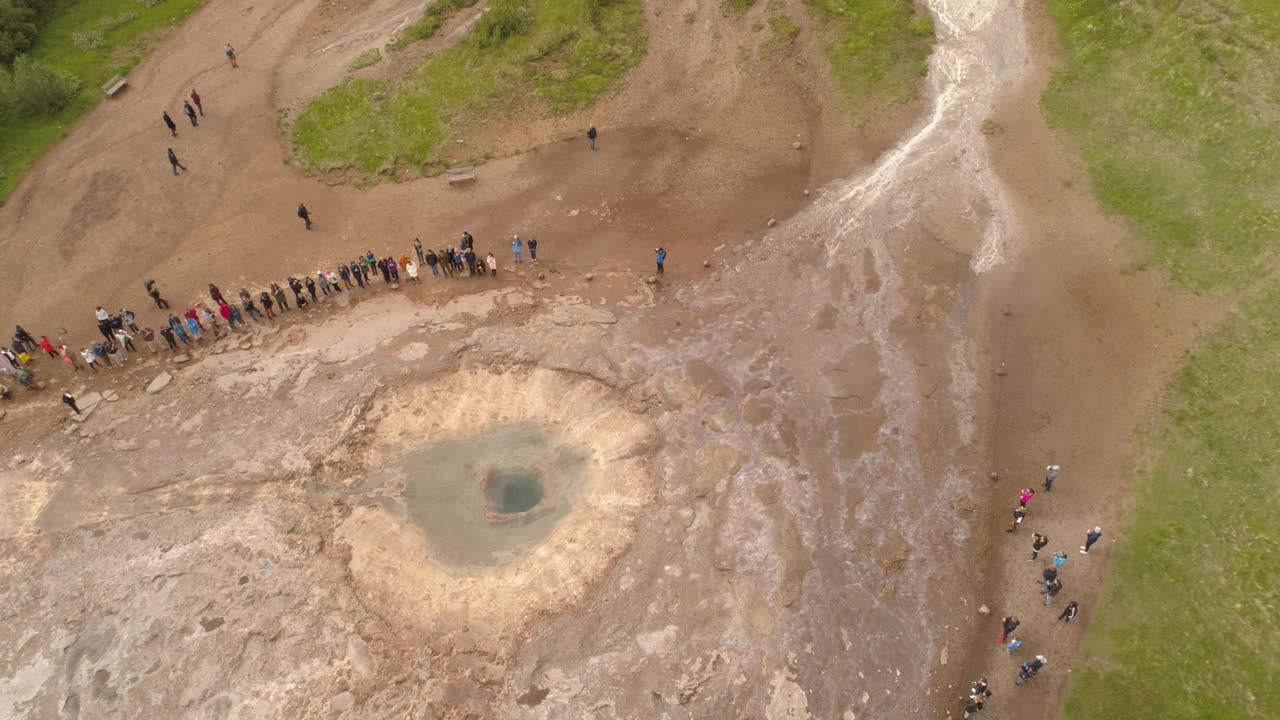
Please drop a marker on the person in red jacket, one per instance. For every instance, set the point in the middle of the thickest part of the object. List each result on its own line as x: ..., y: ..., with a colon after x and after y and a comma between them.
x: 195, y: 98
x: 47, y: 346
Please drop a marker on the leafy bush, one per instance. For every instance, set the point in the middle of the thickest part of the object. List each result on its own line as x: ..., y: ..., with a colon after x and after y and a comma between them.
x: 504, y: 20
x: 433, y: 18
x: 149, y: 3
x: 365, y: 59
x: 88, y: 40
x: 109, y: 24
x: 17, y: 29
x: 32, y: 88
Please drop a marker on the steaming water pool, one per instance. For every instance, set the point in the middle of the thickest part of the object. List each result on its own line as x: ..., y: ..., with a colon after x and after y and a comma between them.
x: 488, y: 498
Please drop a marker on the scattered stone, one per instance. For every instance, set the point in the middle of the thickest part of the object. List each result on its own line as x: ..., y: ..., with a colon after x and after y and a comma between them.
x: 566, y: 315
x: 994, y: 476
x: 126, y: 445
x: 85, y: 412
x: 40, y: 384
x: 706, y: 263
x: 652, y: 279
x: 161, y: 382
x: 806, y: 192
x: 245, y: 344
x: 984, y: 610
x: 540, y: 286
x: 772, y: 222
x: 344, y: 701
x: 181, y: 358
x: 89, y: 400
x: 379, y: 96
x: 542, y: 276
x: 1001, y: 371
x: 797, y: 145
x: 588, y: 277
x: 110, y: 396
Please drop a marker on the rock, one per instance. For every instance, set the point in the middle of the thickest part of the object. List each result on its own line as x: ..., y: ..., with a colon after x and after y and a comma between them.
x: 40, y: 384
x: 652, y: 279
x: 984, y: 610
x: 994, y: 476
x: 343, y: 701
x: 85, y: 412
x: 379, y: 96
x: 542, y: 276
x: 588, y: 277
x: 181, y: 358
x: 161, y: 382
x: 806, y: 192
x: 706, y: 263
x: 245, y: 344
x: 540, y: 286
x: 110, y: 396
x: 89, y: 400
x: 797, y: 145
x: 565, y: 315
x: 772, y: 222
x: 1001, y: 371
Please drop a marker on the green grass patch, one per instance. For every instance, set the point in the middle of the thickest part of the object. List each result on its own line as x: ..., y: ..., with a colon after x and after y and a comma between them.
x: 368, y: 58
x: 785, y: 31
x: 433, y: 18
x: 1177, y: 107
x: 1191, y: 621
x: 561, y: 54
x: 879, y: 49
x: 126, y: 38
x: 741, y: 5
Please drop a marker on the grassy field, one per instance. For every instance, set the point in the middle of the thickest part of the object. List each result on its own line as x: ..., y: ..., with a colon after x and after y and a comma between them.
x: 23, y: 141
x: 561, y: 54
x: 1177, y: 110
x: 879, y: 49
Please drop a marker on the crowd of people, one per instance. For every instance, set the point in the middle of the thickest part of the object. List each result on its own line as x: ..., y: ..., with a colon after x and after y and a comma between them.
x: 200, y: 322
x: 1051, y: 585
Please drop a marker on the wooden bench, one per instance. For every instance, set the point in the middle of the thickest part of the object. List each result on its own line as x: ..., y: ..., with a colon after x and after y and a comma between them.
x: 115, y: 85
x: 461, y: 175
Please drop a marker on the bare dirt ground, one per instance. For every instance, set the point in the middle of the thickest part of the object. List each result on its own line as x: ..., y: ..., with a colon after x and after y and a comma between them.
x: 782, y: 509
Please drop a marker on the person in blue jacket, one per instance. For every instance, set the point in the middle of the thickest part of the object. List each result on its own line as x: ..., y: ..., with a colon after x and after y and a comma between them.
x: 660, y: 254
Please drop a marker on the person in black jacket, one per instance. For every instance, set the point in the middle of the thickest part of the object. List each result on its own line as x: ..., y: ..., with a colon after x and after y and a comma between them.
x: 173, y: 162
x: 191, y: 113
x: 1007, y: 626
x: 591, y: 137
x: 305, y: 215
x: 169, y: 123
x: 1069, y: 613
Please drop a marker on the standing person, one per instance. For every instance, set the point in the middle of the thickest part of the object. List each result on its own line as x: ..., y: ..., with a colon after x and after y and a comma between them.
x: 194, y: 329
x: 386, y: 271
x: 174, y: 164
x: 68, y: 358
x: 154, y: 291
x: 1059, y: 559
x: 149, y: 337
x: 104, y: 322
x: 70, y: 401
x: 24, y: 337
x: 404, y: 258
x: 446, y: 262
x: 89, y: 359
x: 660, y: 254
x: 344, y: 273
x: 278, y: 292
x: 236, y: 318
x: 591, y: 137
x: 417, y: 248
x: 214, y: 293
x: 225, y: 311
x: 305, y: 215
x: 231, y: 56
x: 411, y: 268
x: 1093, y: 537
x: 1069, y: 613
x: 394, y: 271
x: 311, y: 288
x: 515, y: 248
x: 1007, y: 626
x: 493, y: 265
x: 1025, y: 495
x: 333, y: 281
x: 1019, y: 513
x: 125, y: 339
x: 1049, y: 575
x: 47, y: 346
x: 356, y: 272
x: 1051, y: 591
x: 265, y: 299
x: 169, y: 123
x: 129, y: 319
x: 533, y: 249
x: 191, y: 314
x: 323, y: 282
x: 191, y: 113
x: 195, y: 98
x: 470, y: 257
x: 1030, y: 668
x: 181, y: 332
x: 1051, y: 473
x: 1038, y: 542
x: 167, y: 333
x: 432, y: 261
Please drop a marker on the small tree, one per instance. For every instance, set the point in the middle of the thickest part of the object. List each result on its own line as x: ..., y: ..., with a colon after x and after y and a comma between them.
x: 17, y: 29
x: 32, y: 88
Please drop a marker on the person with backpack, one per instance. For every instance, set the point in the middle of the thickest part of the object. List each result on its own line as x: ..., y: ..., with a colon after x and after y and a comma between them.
x: 660, y: 255
x: 1030, y: 669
